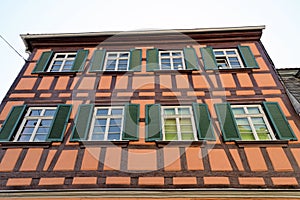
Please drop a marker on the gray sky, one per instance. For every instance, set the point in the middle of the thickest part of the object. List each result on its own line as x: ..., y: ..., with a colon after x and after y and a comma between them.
x: 281, y: 17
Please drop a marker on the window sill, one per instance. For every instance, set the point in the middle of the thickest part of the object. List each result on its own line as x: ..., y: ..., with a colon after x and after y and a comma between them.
x: 10, y: 144
x: 57, y: 73
x: 235, y: 70
x: 180, y: 143
x: 122, y: 144
x: 162, y: 71
x: 263, y: 143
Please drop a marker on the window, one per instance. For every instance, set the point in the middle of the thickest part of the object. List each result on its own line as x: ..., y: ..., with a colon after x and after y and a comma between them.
x: 116, y: 61
x: 178, y: 123
x: 228, y: 58
x: 171, y: 60
x: 36, y: 125
x: 107, y: 124
x: 62, y: 62
x: 252, y: 122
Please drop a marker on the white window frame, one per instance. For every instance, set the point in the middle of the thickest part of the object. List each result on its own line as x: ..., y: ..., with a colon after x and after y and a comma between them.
x: 37, y: 125
x: 108, y: 118
x: 227, y: 56
x: 249, y: 116
x: 63, y: 60
x: 171, y: 59
x: 177, y: 117
x: 118, y: 58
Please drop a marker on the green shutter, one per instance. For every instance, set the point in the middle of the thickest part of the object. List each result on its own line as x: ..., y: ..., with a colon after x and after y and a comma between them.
x: 153, y: 122
x: 60, y: 122
x: 209, y: 59
x: 191, y: 59
x: 227, y: 122
x: 135, y: 60
x: 97, y: 61
x: 279, y: 121
x: 10, y: 125
x: 248, y: 57
x: 131, y: 122
x: 152, y: 60
x: 203, y: 122
x: 82, y: 122
x: 79, y: 61
x: 43, y: 62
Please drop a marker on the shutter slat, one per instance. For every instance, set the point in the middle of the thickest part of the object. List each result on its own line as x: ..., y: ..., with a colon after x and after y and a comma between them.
x: 248, y: 57
x: 152, y: 60
x: 135, y: 60
x: 59, y: 123
x: 203, y: 122
x: 42, y: 64
x: 191, y: 59
x: 97, y: 61
x: 279, y: 121
x: 131, y: 122
x: 79, y: 61
x: 13, y: 120
x: 227, y: 122
x: 153, y: 122
x: 209, y: 59
x: 82, y: 122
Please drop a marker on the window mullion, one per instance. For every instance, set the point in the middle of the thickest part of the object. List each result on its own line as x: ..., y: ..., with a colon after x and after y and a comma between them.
x: 253, y: 128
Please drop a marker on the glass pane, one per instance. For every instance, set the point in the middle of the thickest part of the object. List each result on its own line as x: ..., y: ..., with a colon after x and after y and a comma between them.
x: 238, y: 111
x: 176, y: 54
x: 169, y: 111
x: 69, y: 62
x: 222, y: 63
x: 114, y: 122
x: 263, y: 136
x: 177, y: 60
x: 123, y: 61
x: 233, y: 59
x: 49, y: 112
x: 165, y: 54
x: 57, y: 63
x: 60, y: 55
x: 55, y: 68
x: 31, y: 122
x: 187, y: 136
x: 170, y: 129
x: 114, y: 129
x: 36, y: 112
x: 247, y: 136
x: 166, y: 66
x: 261, y: 129
x: 24, y: 138
x: 122, y: 67
x: 122, y: 55
x: 110, y: 55
x: 27, y: 130
x: 244, y: 129
x: 230, y: 52
x: 98, y: 137
x: 253, y: 110
x: 170, y: 136
x: 71, y: 55
x: 100, y: 122
x: 165, y: 60
x: 117, y: 111
x: 257, y: 120
x: 102, y: 112
x: 183, y: 111
x: 113, y: 137
x: 185, y: 121
x: 40, y: 138
x: 170, y: 122
x: 99, y: 129
x: 218, y: 53
x: 242, y: 121
x: 43, y: 130
x: 186, y: 128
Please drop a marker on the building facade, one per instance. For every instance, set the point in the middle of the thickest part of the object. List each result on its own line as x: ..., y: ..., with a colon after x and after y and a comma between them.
x: 190, y: 114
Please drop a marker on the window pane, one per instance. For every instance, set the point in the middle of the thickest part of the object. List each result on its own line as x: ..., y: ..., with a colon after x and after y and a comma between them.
x: 183, y: 111
x: 166, y: 66
x: 69, y: 62
x: 170, y: 122
x: 24, y: 138
x: 230, y: 52
x: 122, y: 67
x: 186, y: 121
x: 263, y: 136
x: 186, y: 128
x: 114, y: 122
x: 113, y: 137
x: 238, y: 111
x: 49, y: 112
x: 253, y: 110
x: 43, y: 130
x: 217, y: 53
x: 188, y: 136
x: 57, y: 63
x: 99, y: 129
x: 36, y: 112
x: 244, y: 129
x: 27, y: 130
x: 71, y: 55
x: 177, y: 60
x: 102, y: 112
x: 122, y: 55
x: 171, y: 128
x: 117, y: 111
x: 60, y: 55
x: 31, y: 122
x: 176, y: 54
x: 100, y: 122
x: 261, y: 129
x: 112, y: 55
x: 114, y: 129
x: 171, y: 136
x: 165, y: 60
x: 165, y: 54
x: 242, y: 121
x: 98, y: 137
x: 169, y: 111
x: 247, y: 136
x: 40, y: 138
x: 258, y: 120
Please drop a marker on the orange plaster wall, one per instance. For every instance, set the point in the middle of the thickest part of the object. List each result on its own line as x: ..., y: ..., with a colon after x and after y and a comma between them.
x: 142, y: 159
x: 165, y: 81
x: 255, y: 159
x: 279, y: 159
x: 26, y: 84
x: 87, y: 83
x: 182, y: 81
x: 244, y: 80
x: 31, y: 159
x: 122, y: 82
x: 264, y: 80
x: 66, y: 161
x: 227, y: 81
x: 112, y: 158
x: 172, y: 159
x: 218, y: 160
x: 62, y: 83
x: 8, y: 108
x: 143, y: 83
x: 90, y: 159
x: 105, y: 82
x: 45, y: 83
x: 9, y: 159
x: 49, y: 159
x: 194, y: 158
